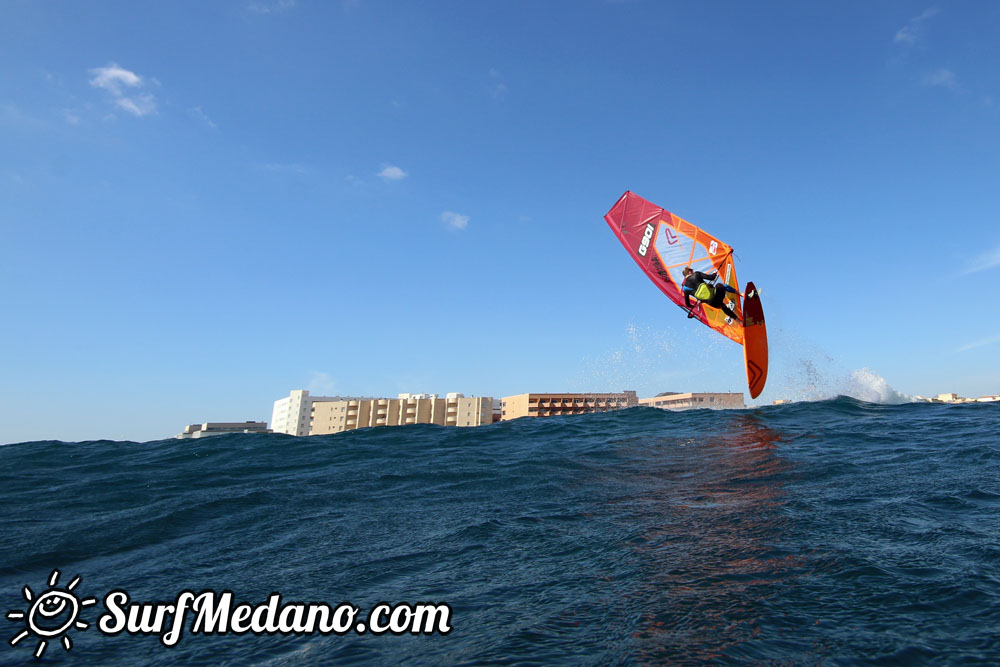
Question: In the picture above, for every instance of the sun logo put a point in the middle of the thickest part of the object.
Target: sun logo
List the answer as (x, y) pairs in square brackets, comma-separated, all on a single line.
[(51, 615)]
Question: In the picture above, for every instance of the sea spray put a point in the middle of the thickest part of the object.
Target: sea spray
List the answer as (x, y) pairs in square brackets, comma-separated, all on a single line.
[(652, 357), (866, 385)]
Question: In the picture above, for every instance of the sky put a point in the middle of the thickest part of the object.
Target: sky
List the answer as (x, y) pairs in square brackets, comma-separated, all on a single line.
[(205, 205)]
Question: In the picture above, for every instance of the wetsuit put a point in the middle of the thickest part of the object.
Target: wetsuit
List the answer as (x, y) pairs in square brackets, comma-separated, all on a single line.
[(718, 292)]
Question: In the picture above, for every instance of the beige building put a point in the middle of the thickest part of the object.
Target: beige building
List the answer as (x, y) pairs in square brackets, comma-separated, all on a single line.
[(218, 428), (670, 400), (550, 405), (453, 410), (291, 414)]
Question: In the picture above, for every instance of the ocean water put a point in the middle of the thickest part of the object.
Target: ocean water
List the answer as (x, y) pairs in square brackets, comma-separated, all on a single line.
[(836, 531)]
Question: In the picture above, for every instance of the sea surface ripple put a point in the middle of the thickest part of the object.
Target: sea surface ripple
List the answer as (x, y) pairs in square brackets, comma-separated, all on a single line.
[(837, 531)]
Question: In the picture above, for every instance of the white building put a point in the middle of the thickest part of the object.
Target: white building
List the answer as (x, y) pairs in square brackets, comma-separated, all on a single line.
[(218, 428)]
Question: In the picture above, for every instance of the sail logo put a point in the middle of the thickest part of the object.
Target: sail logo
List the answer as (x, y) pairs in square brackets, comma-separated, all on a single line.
[(671, 236), (647, 236)]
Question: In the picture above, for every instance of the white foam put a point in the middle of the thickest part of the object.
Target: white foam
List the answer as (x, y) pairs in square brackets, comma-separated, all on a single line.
[(866, 385)]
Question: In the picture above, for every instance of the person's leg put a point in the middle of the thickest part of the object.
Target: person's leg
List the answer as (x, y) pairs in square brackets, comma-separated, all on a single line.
[(730, 313), (719, 301)]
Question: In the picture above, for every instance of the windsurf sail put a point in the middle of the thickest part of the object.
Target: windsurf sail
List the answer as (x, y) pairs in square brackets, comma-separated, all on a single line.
[(662, 244)]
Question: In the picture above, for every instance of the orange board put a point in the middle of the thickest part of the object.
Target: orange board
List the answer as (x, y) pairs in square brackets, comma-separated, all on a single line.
[(754, 341)]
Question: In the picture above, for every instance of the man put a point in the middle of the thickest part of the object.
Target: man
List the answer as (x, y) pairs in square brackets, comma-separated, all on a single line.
[(700, 286)]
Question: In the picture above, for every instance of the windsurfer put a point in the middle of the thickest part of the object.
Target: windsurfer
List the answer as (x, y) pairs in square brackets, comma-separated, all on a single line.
[(700, 285)]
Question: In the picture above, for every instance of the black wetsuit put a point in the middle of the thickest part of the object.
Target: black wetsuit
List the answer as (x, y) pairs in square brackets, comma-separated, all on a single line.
[(718, 299)]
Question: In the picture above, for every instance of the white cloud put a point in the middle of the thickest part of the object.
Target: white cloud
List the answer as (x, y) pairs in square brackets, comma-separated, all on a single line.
[(979, 343), (941, 77), (497, 88), (113, 77), (392, 173), (288, 167), (910, 33), (12, 115), (117, 81), (985, 261), (196, 112), (455, 220), (270, 6), (321, 384), (140, 105)]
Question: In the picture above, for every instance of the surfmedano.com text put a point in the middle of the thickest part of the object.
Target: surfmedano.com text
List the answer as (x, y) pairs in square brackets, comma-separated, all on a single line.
[(214, 613)]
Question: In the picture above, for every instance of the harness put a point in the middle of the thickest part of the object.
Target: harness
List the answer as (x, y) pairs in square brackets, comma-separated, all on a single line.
[(703, 292)]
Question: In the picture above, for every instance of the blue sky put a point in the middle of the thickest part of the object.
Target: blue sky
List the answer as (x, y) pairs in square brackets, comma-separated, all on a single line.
[(206, 205)]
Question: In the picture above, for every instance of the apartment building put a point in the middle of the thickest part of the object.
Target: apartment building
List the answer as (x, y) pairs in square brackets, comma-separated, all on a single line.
[(550, 405), (672, 400), (955, 398), (453, 410), (218, 428), (292, 413)]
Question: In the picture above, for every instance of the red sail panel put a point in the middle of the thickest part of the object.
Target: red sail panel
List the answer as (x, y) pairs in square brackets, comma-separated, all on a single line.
[(662, 244)]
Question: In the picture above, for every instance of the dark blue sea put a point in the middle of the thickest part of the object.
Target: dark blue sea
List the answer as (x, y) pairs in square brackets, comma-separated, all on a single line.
[(835, 532)]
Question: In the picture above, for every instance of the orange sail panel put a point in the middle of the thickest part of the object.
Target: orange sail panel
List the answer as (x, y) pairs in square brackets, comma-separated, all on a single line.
[(662, 244)]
